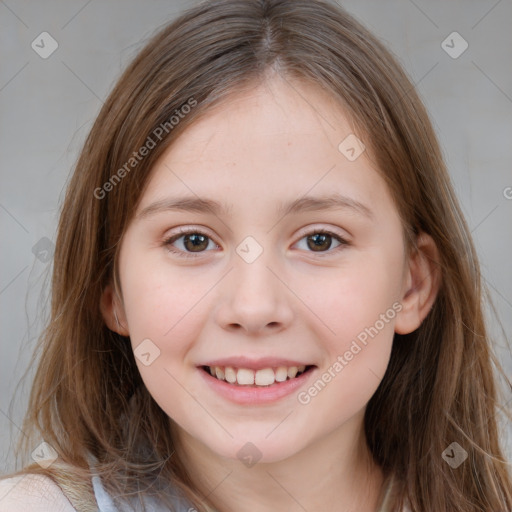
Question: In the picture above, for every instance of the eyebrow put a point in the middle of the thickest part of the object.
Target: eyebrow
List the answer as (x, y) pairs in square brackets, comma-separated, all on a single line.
[(303, 204)]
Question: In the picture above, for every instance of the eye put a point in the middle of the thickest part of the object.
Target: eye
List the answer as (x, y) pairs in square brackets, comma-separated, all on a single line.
[(194, 241), (189, 243), (321, 240)]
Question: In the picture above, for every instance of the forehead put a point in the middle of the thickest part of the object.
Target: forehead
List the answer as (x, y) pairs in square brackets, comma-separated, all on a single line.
[(271, 113), (272, 143)]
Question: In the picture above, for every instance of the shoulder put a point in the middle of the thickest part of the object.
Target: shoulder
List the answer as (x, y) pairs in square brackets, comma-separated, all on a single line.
[(32, 493)]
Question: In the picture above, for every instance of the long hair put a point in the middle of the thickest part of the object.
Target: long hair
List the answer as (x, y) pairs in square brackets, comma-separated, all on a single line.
[(439, 387)]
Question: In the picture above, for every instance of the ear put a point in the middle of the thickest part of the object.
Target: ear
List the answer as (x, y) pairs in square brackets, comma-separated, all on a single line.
[(422, 280), (112, 311)]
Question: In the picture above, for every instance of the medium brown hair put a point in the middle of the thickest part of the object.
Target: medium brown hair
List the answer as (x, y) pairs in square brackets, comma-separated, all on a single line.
[(439, 387)]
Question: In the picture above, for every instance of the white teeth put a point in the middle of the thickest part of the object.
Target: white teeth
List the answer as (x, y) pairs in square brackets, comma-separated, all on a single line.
[(248, 377), (281, 374), (265, 377), (245, 377), (230, 374), (292, 371)]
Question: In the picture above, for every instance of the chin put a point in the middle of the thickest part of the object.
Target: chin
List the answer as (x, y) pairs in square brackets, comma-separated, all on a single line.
[(256, 448)]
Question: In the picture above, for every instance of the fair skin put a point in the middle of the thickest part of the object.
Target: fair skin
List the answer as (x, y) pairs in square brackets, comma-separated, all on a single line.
[(264, 147)]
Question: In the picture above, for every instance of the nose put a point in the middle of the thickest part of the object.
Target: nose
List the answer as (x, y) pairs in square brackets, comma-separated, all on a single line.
[(254, 299)]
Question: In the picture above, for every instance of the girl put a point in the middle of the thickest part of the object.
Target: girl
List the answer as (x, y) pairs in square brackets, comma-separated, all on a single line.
[(265, 296)]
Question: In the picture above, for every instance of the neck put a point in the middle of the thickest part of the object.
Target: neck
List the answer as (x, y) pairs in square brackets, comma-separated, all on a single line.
[(336, 472)]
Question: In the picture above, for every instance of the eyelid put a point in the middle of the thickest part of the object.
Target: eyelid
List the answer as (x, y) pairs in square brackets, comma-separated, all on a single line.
[(192, 229), (309, 230)]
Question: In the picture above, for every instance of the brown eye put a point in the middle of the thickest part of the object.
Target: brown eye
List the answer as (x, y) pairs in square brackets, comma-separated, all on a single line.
[(189, 242), (319, 241), (195, 242)]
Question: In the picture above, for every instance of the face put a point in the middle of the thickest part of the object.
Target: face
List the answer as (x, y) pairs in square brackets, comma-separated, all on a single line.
[(265, 253)]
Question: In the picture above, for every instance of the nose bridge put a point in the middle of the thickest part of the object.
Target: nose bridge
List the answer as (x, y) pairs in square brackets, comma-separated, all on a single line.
[(254, 283), (254, 279), (254, 298)]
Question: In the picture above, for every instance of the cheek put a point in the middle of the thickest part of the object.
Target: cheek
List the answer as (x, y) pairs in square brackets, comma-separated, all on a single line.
[(354, 298), (163, 303), (171, 321), (165, 308), (358, 310)]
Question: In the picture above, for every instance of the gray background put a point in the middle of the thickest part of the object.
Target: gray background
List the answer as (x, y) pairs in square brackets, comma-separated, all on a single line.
[(48, 105)]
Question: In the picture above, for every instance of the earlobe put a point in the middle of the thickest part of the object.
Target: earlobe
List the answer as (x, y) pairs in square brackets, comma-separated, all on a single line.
[(421, 285), (113, 311)]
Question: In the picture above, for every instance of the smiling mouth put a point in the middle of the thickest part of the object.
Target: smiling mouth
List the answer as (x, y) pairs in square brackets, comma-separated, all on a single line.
[(260, 378)]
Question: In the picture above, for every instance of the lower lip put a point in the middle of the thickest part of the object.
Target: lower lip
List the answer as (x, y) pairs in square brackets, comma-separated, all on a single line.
[(248, 395)]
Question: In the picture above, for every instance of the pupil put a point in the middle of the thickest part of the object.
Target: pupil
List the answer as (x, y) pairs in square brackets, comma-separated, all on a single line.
[(198, 242), (319, 241)]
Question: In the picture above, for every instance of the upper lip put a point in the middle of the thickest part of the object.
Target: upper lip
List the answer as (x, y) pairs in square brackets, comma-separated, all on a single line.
[(254, 364)]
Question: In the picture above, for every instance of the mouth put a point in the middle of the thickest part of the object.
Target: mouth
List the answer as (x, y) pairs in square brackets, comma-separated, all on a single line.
[(262, 378)]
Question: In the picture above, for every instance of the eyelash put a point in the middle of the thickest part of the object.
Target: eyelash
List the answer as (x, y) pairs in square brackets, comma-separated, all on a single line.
[(183, 232)]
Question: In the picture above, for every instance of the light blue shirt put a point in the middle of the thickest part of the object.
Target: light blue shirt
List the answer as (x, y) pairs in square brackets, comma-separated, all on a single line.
[(106, 504)]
